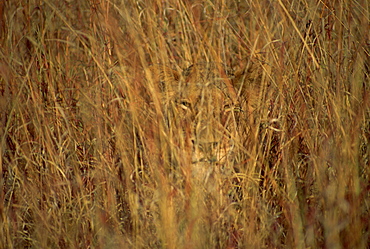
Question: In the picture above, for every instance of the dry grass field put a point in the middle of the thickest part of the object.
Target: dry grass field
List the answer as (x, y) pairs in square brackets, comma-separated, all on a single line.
[(185, 124)]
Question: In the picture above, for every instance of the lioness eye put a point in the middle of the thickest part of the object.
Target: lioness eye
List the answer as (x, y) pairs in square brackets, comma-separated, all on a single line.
[(237, 108), (185, 104)]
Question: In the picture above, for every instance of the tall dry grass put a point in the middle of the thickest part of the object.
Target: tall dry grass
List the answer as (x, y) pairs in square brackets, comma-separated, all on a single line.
[(91, 159)]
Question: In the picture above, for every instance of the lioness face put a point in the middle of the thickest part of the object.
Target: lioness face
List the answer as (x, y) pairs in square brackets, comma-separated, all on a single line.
[(205, 101)]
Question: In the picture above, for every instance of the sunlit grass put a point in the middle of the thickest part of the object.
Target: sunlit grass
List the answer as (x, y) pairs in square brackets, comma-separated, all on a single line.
[(92, 157)]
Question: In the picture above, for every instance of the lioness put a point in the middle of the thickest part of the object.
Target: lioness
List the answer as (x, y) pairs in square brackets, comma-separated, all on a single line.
[(204, 101)]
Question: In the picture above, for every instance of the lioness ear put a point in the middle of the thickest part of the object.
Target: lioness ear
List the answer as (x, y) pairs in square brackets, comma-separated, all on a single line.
[(190, 74), (239, 76), (187, 71), (170, 74), (247, 75), (162, 73), (165, 76)]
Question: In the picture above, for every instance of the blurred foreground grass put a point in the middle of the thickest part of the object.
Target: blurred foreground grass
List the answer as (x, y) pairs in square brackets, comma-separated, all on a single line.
[(85, 165)]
